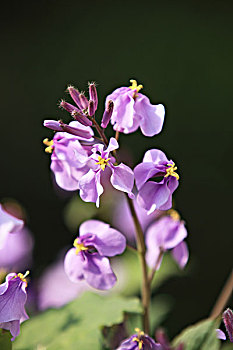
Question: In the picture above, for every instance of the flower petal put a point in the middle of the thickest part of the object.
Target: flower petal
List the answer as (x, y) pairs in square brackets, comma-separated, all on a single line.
[(152, 196), (122, 178), (73, 265), (143, 172), (152, 115), (180, 254), (98, 272), (90, 187), (155, 156)]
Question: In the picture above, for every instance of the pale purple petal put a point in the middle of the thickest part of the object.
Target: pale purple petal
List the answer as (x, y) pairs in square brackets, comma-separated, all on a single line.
[(65, 175), (180, 254), (8, 224), (152, 255), (93, 226), (13, 327), (174, 232), (152, 196), (220, 334), (143, 172), (90, 187), (73, 265), (155, 156), (122, 178), (152, 115), (122, 112), (113, 144), (98, 273)]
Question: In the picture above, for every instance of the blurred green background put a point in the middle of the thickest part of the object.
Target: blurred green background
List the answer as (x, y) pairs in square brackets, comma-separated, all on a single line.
[(182, 52)]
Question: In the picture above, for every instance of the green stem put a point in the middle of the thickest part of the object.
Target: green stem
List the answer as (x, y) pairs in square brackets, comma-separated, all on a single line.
[(141, 253)]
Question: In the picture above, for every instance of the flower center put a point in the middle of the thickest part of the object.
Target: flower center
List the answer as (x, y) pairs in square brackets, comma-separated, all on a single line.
[(23, 277), (138, 338), (102, 162), (174, 214), (79, 246), (135, 85), (49, 144), (171, 171)]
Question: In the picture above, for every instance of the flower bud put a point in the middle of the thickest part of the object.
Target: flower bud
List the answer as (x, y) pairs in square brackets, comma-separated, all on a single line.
[(228, 321), (91, 108), (83, 101), (75, 96), (60, 126), (93, 94), (68, 107), (107, 114), (81, 118)]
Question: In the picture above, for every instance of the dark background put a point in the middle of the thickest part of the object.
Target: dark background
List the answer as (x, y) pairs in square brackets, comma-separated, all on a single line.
[(182, 52)]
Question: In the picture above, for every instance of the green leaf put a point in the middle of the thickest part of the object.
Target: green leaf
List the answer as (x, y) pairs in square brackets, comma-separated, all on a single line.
[(228, 346), (201, 336), (77, 325), (5, 340)]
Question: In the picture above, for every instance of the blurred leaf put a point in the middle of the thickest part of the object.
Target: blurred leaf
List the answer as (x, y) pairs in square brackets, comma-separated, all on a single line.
[(77, 325), (202, 336), (160, 306), (132, 271), (5, 340), (228, 346)]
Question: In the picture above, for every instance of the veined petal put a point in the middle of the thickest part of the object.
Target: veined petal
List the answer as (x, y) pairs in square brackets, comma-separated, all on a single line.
[(180, 254), (143, 172), (90, 187), (93, 226), (73, 265), (155, 156), (13, 327), (152, 115), (98, 273), (122, 178), (152, 196), (113, 144)]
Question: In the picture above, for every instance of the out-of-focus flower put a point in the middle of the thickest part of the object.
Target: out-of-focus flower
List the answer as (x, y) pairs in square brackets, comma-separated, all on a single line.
[(55, 289), (220, 334), (69, 158), (123, 221), (165, 234), (139, 341), (122, 177), (13, 297), (132, 110), (156, 194), (16, 253), (88, 259), (8, 225), (228, 321), (163, 340)]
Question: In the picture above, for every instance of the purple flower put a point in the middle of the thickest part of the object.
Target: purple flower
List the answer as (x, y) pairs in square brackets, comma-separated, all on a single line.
[(165, 234), (16, 253), (55, 289), (69, 159), (156, 194), (87, 260), (122, 177), (228, 321), (220, 334), (132, 110), (13, 297), (139, 341), (8, 224)]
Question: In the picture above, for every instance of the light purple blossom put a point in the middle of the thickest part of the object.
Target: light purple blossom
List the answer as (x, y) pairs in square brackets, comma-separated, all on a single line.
[(8, 225), (132, 110), (156, 195), (55, 288), (220, 334), (13, 297), (139, 341), (69, 158), (167, 233), (122, 177), (16, 253), (88, 259)]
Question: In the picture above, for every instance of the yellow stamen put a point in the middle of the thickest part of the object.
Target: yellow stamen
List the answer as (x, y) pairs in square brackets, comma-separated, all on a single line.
[(102, 162), (79, 246), (135, 85), (23, 277), (171, 171), (174, 214), (138, 338), (48, 143)]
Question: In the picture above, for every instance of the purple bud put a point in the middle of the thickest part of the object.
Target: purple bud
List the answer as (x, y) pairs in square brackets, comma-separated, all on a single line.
[(60, 126), (83, 101), (91, 108), (68, 107), (75, 96), (228, 321), (81, 118), (107, 114), (93, 94)]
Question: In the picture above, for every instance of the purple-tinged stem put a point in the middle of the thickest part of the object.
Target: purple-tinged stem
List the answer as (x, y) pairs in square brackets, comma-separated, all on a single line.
[(223, 297)]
